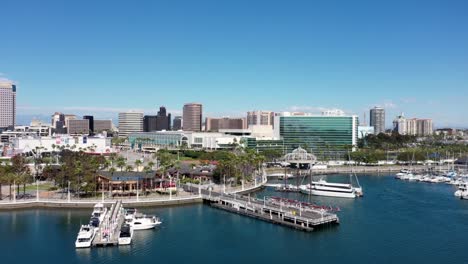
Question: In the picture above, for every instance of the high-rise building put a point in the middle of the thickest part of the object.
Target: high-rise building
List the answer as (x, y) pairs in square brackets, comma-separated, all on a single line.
[(91, 123), (78, 127), (412, 126), (102, 125), (192, 117), (425, 127), (326, 136), (7, 104), (377, 119), (150, 123), (260, 118), (163, 120), (215, 124), (130, 122), (177, 123), (58, 123)]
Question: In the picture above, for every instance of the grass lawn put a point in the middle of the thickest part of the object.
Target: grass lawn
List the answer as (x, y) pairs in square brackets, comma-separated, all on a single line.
[(42, 187)]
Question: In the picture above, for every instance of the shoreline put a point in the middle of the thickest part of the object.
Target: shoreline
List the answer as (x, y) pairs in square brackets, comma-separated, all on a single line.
[(355, 169), (142, 202)]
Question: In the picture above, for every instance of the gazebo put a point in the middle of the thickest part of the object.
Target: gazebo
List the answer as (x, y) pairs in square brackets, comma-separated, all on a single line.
[(300, 157)]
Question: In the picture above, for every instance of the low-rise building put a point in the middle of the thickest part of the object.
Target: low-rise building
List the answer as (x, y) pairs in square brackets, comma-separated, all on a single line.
[(176, 139), (94, 145), (216, 124), (35, 129)]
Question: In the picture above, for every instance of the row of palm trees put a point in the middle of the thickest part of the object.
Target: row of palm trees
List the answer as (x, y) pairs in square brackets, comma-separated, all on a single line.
[(239, 166), (15, 173)]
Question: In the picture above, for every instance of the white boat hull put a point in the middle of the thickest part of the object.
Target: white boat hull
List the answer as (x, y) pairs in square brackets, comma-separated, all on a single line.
[(144, 227), (125, 240), (329, 194), (82, 244)]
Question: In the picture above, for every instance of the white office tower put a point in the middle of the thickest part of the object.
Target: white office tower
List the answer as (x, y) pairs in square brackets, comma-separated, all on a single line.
[(130, 122), (7, 104)]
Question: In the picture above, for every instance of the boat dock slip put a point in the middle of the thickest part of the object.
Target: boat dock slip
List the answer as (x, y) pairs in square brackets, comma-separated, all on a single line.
[(109, 229), (294, 216)]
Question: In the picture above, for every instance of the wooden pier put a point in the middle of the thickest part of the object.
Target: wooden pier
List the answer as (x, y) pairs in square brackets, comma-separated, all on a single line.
[(109, 230), (286, 215)]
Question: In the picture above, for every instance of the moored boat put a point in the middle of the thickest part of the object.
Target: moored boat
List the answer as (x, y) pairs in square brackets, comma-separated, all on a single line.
[(324, 188), (140, 221), (99, 211), (85, 236), (126, 235)]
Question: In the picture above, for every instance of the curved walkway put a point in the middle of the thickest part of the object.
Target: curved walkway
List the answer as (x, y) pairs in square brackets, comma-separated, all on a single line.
[(136, 202)]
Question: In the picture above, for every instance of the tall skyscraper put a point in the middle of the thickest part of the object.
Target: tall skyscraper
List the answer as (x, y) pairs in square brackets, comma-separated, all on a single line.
[(130, 122), (7, 104), (150, 123), (177, 123), (91, 123), (192, 117), (163, 120), (377, 119), (260, 118)]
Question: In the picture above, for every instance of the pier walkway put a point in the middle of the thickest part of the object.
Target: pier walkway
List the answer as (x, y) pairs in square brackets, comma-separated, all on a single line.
[(109, 230), (287, 215), (294, 216)]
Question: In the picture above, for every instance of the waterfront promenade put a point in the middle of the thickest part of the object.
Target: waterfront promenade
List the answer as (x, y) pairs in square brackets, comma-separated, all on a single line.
[(194, 194)]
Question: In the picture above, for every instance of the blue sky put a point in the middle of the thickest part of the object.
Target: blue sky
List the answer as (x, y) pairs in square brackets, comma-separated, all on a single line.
[(101, 57)]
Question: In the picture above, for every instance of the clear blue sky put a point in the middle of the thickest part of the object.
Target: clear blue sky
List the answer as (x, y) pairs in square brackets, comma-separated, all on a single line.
[(99, 57)]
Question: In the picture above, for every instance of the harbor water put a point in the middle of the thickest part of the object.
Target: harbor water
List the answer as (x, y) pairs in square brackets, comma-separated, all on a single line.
[(395, 222)]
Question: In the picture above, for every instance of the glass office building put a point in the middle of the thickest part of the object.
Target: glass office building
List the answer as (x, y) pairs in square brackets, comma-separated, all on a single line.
[(167, 139), (325, 136)]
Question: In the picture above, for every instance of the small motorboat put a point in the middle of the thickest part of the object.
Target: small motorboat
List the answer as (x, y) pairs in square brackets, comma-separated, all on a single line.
[(85, 236), (126, 235)]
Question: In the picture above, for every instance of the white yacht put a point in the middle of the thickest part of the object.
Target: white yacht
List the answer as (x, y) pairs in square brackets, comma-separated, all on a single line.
[(130, 213), (126, 235), (285, 176), (403, 174), (462, 190), (85, 237), (99, 211), (140, 221), (456, 182), (439, 179), (414, 177), (324, 188)]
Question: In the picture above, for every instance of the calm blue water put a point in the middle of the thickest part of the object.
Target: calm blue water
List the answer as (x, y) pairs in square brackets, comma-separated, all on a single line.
[(395, 221)]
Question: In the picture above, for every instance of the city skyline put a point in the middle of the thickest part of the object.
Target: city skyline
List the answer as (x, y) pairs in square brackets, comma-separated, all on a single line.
[(304, 57)]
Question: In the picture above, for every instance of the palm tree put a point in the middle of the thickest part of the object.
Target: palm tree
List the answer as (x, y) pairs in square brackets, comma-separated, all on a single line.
[(150, 164), (112, 158), (2, 179), (138, 162), (128, 168), (9, 179), (121, 163)]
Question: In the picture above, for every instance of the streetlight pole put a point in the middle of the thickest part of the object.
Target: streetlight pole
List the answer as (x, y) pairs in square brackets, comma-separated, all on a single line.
[(68, 194)]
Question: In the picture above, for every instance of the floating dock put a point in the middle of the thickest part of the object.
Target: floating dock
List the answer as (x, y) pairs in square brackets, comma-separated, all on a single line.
[(109, 230), (286, 215)]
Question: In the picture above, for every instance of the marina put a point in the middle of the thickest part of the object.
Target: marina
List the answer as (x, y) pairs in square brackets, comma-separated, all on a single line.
[(49, 234), (113, 227)]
